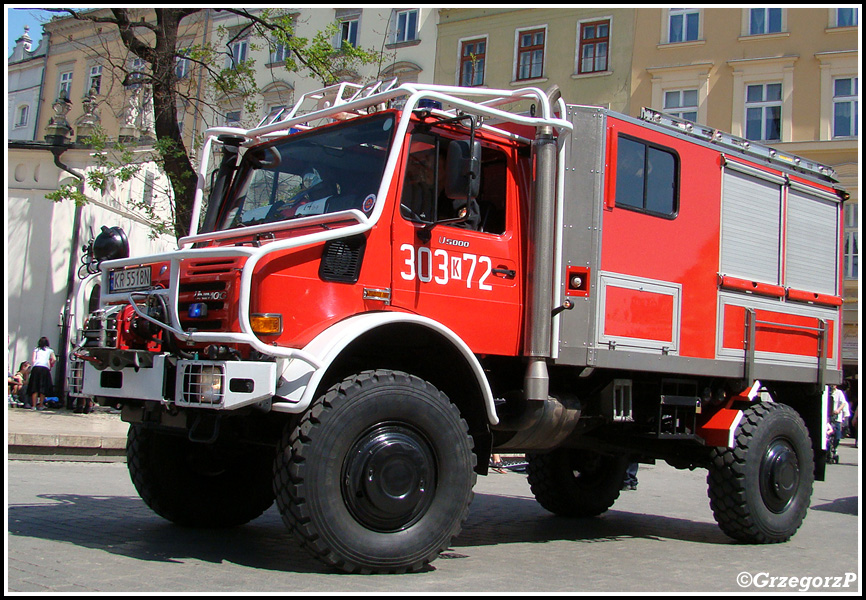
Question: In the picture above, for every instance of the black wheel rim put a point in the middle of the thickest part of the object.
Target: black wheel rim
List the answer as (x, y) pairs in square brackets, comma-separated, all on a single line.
[(779, 475), (389, 477)]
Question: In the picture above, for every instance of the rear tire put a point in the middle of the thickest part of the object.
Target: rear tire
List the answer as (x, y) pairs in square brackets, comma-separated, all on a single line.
[(760, 489), (576, 483), (199, 485), (378, 475)]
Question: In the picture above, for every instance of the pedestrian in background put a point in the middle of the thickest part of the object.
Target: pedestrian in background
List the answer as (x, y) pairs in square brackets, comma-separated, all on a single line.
[(18, 384), (840, 412), (40, 384)]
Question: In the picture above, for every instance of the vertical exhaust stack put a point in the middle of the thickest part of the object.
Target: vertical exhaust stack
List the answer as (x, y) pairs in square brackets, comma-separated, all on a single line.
[(541, 248)]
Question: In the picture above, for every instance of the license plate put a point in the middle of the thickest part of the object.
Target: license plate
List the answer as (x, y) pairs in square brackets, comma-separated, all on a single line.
[(127, 280)]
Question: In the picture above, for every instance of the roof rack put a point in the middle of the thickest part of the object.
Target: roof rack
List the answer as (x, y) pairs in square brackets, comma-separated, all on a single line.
[(347, 100), (738, 144)]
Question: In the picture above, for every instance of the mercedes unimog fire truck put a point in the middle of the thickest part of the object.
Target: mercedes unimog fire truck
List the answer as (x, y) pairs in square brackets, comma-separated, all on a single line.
[(384, 284)]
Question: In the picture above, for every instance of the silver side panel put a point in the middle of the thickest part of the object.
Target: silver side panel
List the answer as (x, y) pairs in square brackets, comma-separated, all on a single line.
[(580, 228), (751, 218), (812, 251)]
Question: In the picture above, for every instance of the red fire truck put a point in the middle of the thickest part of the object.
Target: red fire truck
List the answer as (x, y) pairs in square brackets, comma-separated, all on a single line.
[(385, 284)]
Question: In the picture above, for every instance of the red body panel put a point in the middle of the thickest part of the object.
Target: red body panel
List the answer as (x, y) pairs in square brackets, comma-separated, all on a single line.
[(639, 314), (794, 334), (683, 250)]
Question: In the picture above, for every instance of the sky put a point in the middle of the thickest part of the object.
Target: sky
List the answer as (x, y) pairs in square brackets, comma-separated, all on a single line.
[(15, 22)]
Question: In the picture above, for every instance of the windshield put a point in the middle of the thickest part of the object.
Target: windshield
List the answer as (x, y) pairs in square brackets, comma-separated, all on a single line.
[(319, 172)]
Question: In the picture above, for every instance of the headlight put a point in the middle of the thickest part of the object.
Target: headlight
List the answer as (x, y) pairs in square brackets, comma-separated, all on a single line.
[(203, 384)]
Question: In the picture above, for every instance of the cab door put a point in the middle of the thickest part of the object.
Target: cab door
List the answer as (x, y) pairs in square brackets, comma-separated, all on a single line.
[(467, 276)]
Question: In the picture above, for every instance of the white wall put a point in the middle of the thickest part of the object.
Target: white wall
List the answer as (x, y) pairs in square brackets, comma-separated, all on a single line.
[(38, 245)]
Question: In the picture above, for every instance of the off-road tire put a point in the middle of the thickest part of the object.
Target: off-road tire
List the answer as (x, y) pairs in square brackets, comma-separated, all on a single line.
[(576, 483), (377, 476), (199, 485), (760, 489)]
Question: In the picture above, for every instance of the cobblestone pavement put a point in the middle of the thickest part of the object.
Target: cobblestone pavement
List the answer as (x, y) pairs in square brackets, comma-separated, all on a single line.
[(80, 527)]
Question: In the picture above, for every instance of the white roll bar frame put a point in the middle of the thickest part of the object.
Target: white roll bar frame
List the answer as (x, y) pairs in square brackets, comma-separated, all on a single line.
[(456, 97)]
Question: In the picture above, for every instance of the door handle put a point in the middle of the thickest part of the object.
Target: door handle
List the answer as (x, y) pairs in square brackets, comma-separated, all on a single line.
[(507, 273)]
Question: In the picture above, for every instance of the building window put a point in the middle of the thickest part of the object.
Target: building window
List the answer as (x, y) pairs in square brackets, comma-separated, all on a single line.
[(682, 104), (846, 106), (136, 74), (594, 46), (237, 53), (349, 32), (65, 85), (530, 54), (23, 114), (847, 17), (472, 56), (94, 82), (683, 24), (182, 64), (147, 195), (764, 112), (407, 26), (852, 254), (233, 118), (765, 20), (646, 177)]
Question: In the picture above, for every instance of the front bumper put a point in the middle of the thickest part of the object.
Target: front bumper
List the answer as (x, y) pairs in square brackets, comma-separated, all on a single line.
[(213, 384)]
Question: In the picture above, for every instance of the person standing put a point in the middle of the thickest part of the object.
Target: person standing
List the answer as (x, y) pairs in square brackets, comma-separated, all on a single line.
[(840, 412), (40, 384)]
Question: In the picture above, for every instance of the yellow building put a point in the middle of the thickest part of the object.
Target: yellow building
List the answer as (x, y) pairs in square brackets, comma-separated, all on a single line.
[(787, 77), (586, 52)]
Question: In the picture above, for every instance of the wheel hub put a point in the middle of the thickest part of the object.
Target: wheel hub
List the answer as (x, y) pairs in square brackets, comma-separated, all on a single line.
[(780, 475), (389, 478)]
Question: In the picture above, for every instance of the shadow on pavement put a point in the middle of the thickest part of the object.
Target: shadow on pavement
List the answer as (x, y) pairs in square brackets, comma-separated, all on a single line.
[(846, 506), (503, 519), (125, 526)]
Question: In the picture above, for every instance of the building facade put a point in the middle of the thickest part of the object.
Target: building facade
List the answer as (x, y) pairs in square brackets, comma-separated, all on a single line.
[(587, 52), (403, 39), (25, 70), (88, 61)]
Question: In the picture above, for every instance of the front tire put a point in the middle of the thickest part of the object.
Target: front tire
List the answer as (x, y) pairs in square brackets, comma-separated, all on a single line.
[(576, 483), (378, 475), (760, 489), (199, 485)]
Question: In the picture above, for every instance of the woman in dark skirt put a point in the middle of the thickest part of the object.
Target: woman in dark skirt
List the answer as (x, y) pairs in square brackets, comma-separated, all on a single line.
[(40, 384)]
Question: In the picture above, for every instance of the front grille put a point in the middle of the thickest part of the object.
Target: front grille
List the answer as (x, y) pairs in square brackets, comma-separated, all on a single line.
[(211, 267), (214, 294)]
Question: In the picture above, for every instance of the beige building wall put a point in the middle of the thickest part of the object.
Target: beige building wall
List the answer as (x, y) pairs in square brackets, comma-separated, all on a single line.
[(500, 29), (403, 38), (810, 51), (81, 51)]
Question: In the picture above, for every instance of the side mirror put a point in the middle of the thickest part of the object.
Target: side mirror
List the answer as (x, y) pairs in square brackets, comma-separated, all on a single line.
[(463, 170)]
